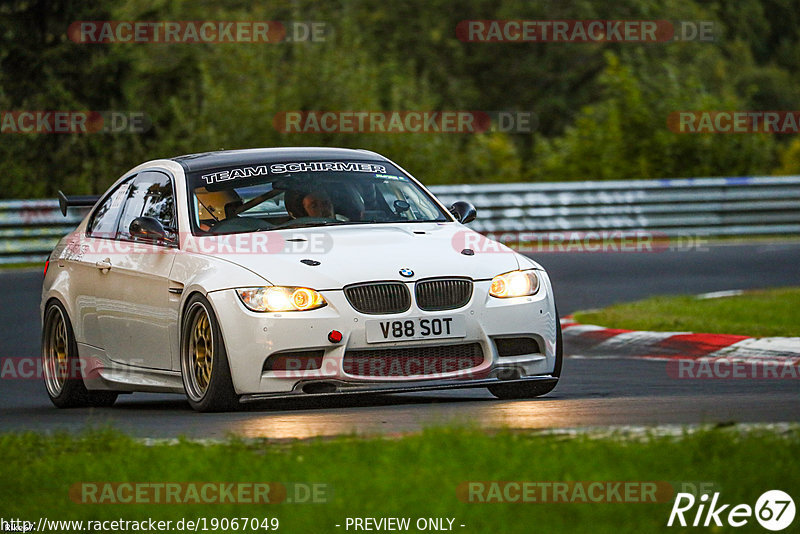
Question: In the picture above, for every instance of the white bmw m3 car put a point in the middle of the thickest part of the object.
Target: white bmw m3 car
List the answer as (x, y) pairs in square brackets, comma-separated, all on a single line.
[(248, 275)]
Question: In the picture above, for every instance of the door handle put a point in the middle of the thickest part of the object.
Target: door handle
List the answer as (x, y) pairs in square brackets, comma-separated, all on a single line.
[(103, 265)]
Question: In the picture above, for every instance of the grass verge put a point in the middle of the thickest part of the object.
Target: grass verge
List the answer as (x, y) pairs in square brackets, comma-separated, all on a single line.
[(771, 312), (21, 266), (411, 476)]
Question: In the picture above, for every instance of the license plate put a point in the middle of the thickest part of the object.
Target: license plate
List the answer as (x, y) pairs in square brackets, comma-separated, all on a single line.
[(415, 328)]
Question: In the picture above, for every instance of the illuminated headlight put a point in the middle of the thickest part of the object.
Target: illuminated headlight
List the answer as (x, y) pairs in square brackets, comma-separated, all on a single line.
[(514, 284), (281, 299)]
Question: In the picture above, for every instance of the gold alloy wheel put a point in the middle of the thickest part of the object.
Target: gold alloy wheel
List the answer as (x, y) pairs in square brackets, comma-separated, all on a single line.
[(200, 352), (56, 352)]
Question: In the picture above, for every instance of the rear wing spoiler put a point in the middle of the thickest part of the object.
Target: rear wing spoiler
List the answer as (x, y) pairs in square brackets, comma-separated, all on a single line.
[(65, 202)]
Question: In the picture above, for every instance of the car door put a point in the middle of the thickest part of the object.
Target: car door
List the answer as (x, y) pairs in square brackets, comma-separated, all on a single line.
[(88, 253), (136, 314)]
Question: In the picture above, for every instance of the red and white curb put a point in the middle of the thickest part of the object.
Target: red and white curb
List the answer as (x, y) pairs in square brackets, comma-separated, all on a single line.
[(752, 357)]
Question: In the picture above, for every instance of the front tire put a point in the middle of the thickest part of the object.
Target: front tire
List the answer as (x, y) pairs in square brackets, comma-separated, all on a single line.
[(61, 364), (533, 389), (204, 361)]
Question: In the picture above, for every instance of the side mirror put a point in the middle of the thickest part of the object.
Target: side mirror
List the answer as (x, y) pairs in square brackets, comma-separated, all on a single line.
[(147, 228), (464, 212)]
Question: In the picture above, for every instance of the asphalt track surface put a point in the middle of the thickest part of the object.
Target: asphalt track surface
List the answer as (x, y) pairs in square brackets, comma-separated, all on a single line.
[(592, 393)]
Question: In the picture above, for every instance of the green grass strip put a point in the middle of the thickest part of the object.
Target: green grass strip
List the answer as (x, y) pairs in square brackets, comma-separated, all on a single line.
[(410, 476), (772, 312)]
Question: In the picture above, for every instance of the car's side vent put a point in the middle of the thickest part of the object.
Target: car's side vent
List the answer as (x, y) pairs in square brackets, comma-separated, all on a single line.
[(294, 360), (516, 346), (378, 297)]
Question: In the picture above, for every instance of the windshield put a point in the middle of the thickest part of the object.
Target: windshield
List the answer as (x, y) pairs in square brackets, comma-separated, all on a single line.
[(273, 196)]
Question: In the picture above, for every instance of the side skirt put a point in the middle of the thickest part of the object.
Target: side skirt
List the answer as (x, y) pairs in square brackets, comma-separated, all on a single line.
[(100, 373)]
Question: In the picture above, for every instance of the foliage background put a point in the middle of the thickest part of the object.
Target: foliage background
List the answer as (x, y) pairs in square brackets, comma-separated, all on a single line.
[(601, 107)]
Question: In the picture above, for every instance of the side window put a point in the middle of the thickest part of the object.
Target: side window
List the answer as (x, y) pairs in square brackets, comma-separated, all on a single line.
[(104, 221), (150, 196)]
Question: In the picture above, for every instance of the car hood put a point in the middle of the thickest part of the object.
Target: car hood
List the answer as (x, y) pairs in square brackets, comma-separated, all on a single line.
[(358, 253)]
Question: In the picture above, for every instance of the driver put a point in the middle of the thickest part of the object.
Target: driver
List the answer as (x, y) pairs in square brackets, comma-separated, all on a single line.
[(318, 204), (309, 204)]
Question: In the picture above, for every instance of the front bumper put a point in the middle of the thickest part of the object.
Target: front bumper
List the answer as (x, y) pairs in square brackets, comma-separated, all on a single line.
[(250, 338)]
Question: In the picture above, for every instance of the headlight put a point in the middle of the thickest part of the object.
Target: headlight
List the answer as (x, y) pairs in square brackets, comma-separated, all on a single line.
[(514, 284), (281, 299)]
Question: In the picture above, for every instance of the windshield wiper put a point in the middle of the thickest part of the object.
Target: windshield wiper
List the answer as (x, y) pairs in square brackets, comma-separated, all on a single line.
[(311, 224), (340, 223)]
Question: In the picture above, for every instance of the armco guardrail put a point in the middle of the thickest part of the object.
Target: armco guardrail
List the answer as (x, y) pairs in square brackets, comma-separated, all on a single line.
[(29, 229), (709, 206), (700, 206)]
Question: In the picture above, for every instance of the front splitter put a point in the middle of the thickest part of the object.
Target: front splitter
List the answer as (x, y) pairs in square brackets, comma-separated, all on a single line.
[(348, 388)]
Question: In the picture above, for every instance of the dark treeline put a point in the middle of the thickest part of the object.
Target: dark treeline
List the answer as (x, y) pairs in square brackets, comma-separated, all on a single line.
[(601, 108)]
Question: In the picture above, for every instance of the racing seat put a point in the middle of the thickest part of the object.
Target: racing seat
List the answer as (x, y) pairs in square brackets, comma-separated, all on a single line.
[(231, 207), (348, 201), (293, 202)]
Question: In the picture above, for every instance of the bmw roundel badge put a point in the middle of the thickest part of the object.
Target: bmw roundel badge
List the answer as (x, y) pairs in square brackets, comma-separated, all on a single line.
[(408, 273)]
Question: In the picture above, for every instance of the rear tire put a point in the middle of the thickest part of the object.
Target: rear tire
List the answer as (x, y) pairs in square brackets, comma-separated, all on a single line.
[(204, 361), (533, 389), (61, 364)]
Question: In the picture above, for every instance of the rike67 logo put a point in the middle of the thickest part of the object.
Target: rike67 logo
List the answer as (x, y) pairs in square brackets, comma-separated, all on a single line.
[(774, 510)]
